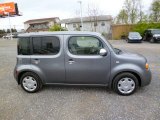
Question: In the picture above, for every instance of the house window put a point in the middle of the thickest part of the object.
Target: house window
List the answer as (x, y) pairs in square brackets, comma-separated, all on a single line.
[(102, 24), (95, 24), (74, 25)]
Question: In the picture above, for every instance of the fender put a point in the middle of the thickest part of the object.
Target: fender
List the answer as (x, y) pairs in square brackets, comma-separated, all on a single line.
[(30, 68), (125, 68)]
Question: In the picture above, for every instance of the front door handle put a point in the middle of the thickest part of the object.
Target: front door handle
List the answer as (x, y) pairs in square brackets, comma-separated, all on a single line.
[(71, 61), (36, 61)]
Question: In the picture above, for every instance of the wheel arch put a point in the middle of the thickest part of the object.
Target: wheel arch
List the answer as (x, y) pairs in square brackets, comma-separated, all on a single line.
[(23, 72), (132, 72)]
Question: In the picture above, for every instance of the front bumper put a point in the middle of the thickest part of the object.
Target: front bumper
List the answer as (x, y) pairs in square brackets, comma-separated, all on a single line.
[(134, 40), (146, 78), (157, 39)]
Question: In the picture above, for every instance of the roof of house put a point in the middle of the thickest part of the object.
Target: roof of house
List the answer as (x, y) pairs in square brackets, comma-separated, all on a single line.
[(88, 19), (41, 20)]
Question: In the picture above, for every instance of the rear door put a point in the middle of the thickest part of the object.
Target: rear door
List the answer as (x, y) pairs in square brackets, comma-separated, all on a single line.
[(83, 63), (48, 58)]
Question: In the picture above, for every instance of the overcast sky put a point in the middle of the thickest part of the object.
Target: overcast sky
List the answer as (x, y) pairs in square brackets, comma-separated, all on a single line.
[(33, 9)]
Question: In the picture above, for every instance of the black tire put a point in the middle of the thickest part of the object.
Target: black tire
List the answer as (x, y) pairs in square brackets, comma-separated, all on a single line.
[(120, 77), (36, 79), (144, 39), (151, 40)]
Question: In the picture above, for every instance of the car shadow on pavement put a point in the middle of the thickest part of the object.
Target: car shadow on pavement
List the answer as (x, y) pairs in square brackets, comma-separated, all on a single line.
[(76, 88)]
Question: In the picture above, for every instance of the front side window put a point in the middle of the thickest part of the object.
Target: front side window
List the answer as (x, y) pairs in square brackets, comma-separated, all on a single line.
[(46, 45), (84, 45), (24, 46)]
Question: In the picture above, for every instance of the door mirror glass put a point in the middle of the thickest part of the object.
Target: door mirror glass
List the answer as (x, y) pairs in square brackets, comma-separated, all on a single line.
[(103, 52)]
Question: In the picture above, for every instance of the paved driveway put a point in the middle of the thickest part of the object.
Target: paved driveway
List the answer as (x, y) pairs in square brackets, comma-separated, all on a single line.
[(78, 103)]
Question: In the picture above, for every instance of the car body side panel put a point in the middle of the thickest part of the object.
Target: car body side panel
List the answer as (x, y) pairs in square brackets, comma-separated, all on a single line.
[(50, 66)]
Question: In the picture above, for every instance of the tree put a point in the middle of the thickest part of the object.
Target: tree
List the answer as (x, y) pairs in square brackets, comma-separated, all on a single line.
[(93, 13), (57, 27), (131, 9), (122, 17), (132, 12), (8, 30), (2, 32), (14, 30), (141, 13), (155, 14)]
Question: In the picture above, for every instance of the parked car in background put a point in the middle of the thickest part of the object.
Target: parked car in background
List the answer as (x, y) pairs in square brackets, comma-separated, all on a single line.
[(152, 35), (8, 36), (15, 35), (77, 58), (134, 37)]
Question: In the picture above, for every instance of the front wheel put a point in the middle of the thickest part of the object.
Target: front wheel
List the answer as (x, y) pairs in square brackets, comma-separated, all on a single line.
[(152, 40), (125, 84), (30, 82)]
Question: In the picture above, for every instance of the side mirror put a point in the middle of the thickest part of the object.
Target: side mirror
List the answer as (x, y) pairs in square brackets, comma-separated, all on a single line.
[(103, 52)]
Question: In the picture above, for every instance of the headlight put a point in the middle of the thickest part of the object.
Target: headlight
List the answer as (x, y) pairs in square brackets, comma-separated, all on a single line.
[(147, 66)]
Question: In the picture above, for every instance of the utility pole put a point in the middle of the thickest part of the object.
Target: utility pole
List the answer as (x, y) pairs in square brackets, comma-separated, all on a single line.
[(9, 22), (10, 25), (80, 2)]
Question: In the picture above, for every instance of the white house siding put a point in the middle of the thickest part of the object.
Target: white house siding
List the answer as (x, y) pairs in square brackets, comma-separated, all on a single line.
[(89, 26)]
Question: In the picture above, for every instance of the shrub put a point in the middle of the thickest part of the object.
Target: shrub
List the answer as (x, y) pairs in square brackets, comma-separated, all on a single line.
[(141, 27), (57, 27)]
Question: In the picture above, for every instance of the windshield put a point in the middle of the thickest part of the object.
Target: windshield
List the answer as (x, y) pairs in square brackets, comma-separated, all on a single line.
[(116, 50), (134, 34), (155, 31)]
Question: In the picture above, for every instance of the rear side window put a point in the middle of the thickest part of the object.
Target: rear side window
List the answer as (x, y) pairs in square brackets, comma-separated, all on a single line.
[(46, 45), (24, 46)]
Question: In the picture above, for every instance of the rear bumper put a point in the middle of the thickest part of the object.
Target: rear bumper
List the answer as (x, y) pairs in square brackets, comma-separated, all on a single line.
[(15, 74), (147, 76)]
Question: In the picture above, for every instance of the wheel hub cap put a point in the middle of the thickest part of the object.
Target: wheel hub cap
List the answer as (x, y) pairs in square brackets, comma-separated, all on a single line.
[(29, 83), (126, 85)]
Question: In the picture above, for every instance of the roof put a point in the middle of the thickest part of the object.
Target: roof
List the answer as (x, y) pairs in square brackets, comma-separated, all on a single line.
[(88, 19), (58, 33), (41, 20), (153, 29)]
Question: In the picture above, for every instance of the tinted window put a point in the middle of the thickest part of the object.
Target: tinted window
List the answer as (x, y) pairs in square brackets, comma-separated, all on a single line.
[(84, 45), (24, 46), (46, 45), (155, 31)]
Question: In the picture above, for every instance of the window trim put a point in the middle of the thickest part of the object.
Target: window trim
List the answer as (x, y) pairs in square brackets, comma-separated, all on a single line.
[(103, 44), (41, 44)]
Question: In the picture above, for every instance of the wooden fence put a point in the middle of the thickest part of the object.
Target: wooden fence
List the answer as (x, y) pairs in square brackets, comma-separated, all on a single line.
[(119, 31)]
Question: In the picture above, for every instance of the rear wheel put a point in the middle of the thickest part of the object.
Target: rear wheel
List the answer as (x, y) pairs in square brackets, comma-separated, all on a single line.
[(125, 84), (30, 82)]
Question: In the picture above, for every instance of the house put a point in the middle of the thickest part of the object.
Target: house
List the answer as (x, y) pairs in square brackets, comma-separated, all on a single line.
[(42, 24), (99, 24)]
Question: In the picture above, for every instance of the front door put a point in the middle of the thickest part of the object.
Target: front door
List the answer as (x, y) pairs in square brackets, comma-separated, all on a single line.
[(83, 63), (48, 58)]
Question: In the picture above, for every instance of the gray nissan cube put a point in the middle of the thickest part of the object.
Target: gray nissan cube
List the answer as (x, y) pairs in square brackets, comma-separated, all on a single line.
[(77, 58)]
